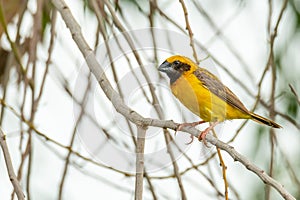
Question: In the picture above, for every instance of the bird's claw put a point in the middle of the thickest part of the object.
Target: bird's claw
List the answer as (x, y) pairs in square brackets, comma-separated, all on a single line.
[(190, 142), (192, 124), (202, 134), (202, 137)]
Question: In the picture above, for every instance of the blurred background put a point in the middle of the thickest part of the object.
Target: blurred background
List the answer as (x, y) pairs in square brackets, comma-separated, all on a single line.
[(67, 141)]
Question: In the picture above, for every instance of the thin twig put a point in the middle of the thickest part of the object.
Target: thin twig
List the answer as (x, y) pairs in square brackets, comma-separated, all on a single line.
[(271, 63), (219, 32), (224, 168), (67, 159), (295, 93), (188, 27), (12, 44), (175, 165), (10, 168)]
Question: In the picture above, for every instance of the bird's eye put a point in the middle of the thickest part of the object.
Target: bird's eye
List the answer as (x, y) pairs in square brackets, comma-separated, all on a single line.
[(176, 62), (176, 65)]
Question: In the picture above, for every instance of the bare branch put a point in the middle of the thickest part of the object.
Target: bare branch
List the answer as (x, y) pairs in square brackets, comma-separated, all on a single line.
[(175, 165), (224, 168), (250, 166), (271, 63), (10, 168), (67, 159), (141, 133), (188, 27), (295, 93)]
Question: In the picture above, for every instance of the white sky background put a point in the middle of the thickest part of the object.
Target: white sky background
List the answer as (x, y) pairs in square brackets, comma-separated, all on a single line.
[(55, 116)]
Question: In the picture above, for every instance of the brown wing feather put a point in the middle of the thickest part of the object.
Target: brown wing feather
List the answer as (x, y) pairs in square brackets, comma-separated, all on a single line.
[(214, 85)]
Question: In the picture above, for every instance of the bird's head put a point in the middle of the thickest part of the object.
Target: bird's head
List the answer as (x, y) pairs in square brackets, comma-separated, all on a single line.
[(177, 65)]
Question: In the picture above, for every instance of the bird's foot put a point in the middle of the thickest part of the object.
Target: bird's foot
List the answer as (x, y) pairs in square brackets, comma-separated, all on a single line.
[(202, 135), (192, 124)]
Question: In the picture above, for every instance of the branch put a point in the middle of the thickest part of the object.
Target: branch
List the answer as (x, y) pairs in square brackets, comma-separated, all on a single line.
[(224, 167), (295, 93), (10, 168), (250, 166), (141, 133), (139, 120), (67, 159), (188, 27), (175, 165)]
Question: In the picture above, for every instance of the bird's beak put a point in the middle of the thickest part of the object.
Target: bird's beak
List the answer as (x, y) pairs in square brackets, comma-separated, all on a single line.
[(165, 66)]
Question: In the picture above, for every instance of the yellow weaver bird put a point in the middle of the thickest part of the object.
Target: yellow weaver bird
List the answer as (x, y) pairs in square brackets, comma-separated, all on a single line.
[(205, 95)]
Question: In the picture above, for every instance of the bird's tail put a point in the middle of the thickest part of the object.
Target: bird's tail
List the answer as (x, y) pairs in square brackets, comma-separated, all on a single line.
[(265, 121)]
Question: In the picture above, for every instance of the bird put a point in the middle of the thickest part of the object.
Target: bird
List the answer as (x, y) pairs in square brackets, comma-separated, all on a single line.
[(205, 95)]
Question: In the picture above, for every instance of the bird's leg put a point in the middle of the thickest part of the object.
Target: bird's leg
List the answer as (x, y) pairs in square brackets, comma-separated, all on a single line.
[(180, 126), (203, 134), (189, 124)]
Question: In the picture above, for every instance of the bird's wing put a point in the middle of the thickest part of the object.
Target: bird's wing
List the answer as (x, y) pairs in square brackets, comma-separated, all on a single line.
[(215, 86)]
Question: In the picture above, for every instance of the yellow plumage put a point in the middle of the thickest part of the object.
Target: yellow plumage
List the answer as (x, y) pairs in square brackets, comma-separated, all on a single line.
[(204, 94), (202, 102)]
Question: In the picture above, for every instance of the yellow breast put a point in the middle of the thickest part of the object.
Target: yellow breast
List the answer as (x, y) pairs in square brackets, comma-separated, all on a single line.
[(198, 99)]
